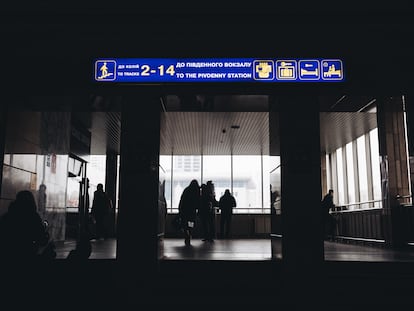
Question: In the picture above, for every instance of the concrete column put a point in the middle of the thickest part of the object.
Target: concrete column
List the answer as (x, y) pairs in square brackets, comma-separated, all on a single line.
[(301, 180), (324, 175), (3, 124), (302, 230), (394, 168), (110, 186), (139, 174), (410, 133), (274, 146)]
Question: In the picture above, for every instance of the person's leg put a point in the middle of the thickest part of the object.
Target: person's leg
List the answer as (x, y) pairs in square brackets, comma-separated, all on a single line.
[(105, 227), (228, 227), (187, 236), (98, 228), (222, 226), (204, 227), (211, 228)]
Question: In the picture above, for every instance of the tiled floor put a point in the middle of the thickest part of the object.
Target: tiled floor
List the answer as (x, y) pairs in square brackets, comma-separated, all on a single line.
[(240, 249), (352, 252), (244, 249)]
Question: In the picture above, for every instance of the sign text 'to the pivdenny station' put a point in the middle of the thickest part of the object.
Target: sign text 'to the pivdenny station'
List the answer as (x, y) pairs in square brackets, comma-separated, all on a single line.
[(165, 70)]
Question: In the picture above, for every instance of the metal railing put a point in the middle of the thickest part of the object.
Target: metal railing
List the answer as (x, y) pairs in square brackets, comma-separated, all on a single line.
[(236, 210), (404, 199), (357, 206)]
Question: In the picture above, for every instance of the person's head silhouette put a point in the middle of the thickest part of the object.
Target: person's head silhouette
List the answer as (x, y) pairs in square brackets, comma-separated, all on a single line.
[(25, 202)]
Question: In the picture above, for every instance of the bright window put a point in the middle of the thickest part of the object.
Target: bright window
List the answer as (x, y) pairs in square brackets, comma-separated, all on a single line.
[(165, 170), (247, 184), (218, 170), (340, 172), (362, 171), (185, 169), (250, 184), (376, 173), (350, 172)]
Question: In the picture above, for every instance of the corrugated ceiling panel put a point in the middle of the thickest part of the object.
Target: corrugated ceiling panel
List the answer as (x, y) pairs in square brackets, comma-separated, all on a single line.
[(340, 128), (190, 133), (105, 132), (211, 133)]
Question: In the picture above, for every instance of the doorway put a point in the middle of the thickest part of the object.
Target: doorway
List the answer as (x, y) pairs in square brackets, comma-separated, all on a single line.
[(231, 141)]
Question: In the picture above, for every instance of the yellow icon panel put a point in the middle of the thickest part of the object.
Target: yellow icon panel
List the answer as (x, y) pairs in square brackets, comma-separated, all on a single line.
[(263, 70), (309, 69), (105, 70), (332, 69), (286, 69)]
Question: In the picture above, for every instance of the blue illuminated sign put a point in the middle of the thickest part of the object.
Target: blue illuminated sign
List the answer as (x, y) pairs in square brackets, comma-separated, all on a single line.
[(166, 70)]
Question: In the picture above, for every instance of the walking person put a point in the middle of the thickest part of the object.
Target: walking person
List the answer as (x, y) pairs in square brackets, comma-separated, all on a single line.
[(187, 209), (101, 206), (226, 204)]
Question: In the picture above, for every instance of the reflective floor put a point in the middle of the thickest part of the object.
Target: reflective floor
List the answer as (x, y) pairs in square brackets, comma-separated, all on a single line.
[(352, 252), (244, 249), (240, 249), (101, 249)]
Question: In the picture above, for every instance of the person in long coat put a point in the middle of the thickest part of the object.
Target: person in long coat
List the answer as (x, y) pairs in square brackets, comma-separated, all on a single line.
[(188, 207), (329, 221), (226, 204)]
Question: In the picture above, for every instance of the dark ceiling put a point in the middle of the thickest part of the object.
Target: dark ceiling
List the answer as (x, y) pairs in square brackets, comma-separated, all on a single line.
[(60, 40)]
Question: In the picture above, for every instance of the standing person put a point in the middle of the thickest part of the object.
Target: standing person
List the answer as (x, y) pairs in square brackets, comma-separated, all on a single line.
[(203, 212), (101, 206), (274, 201), (207, 214), (41, 201), (187, 209), (210, 203), (226, 204), (329, 222)]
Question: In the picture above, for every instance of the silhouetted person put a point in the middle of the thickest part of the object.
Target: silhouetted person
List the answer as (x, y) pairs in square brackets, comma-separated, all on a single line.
[(226, 204), (202, 211), (83, 249), (214, 203), (162, 207), (274, 195), (22, 231), (187, 209), (100, 211), (205, 213), (329, 222), (41, 201)]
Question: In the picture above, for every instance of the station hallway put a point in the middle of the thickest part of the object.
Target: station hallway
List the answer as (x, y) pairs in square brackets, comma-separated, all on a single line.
[(246, 250), (278, 146)]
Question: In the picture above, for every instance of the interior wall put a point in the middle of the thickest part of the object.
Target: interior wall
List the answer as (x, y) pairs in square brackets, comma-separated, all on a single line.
[(36, 153)]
